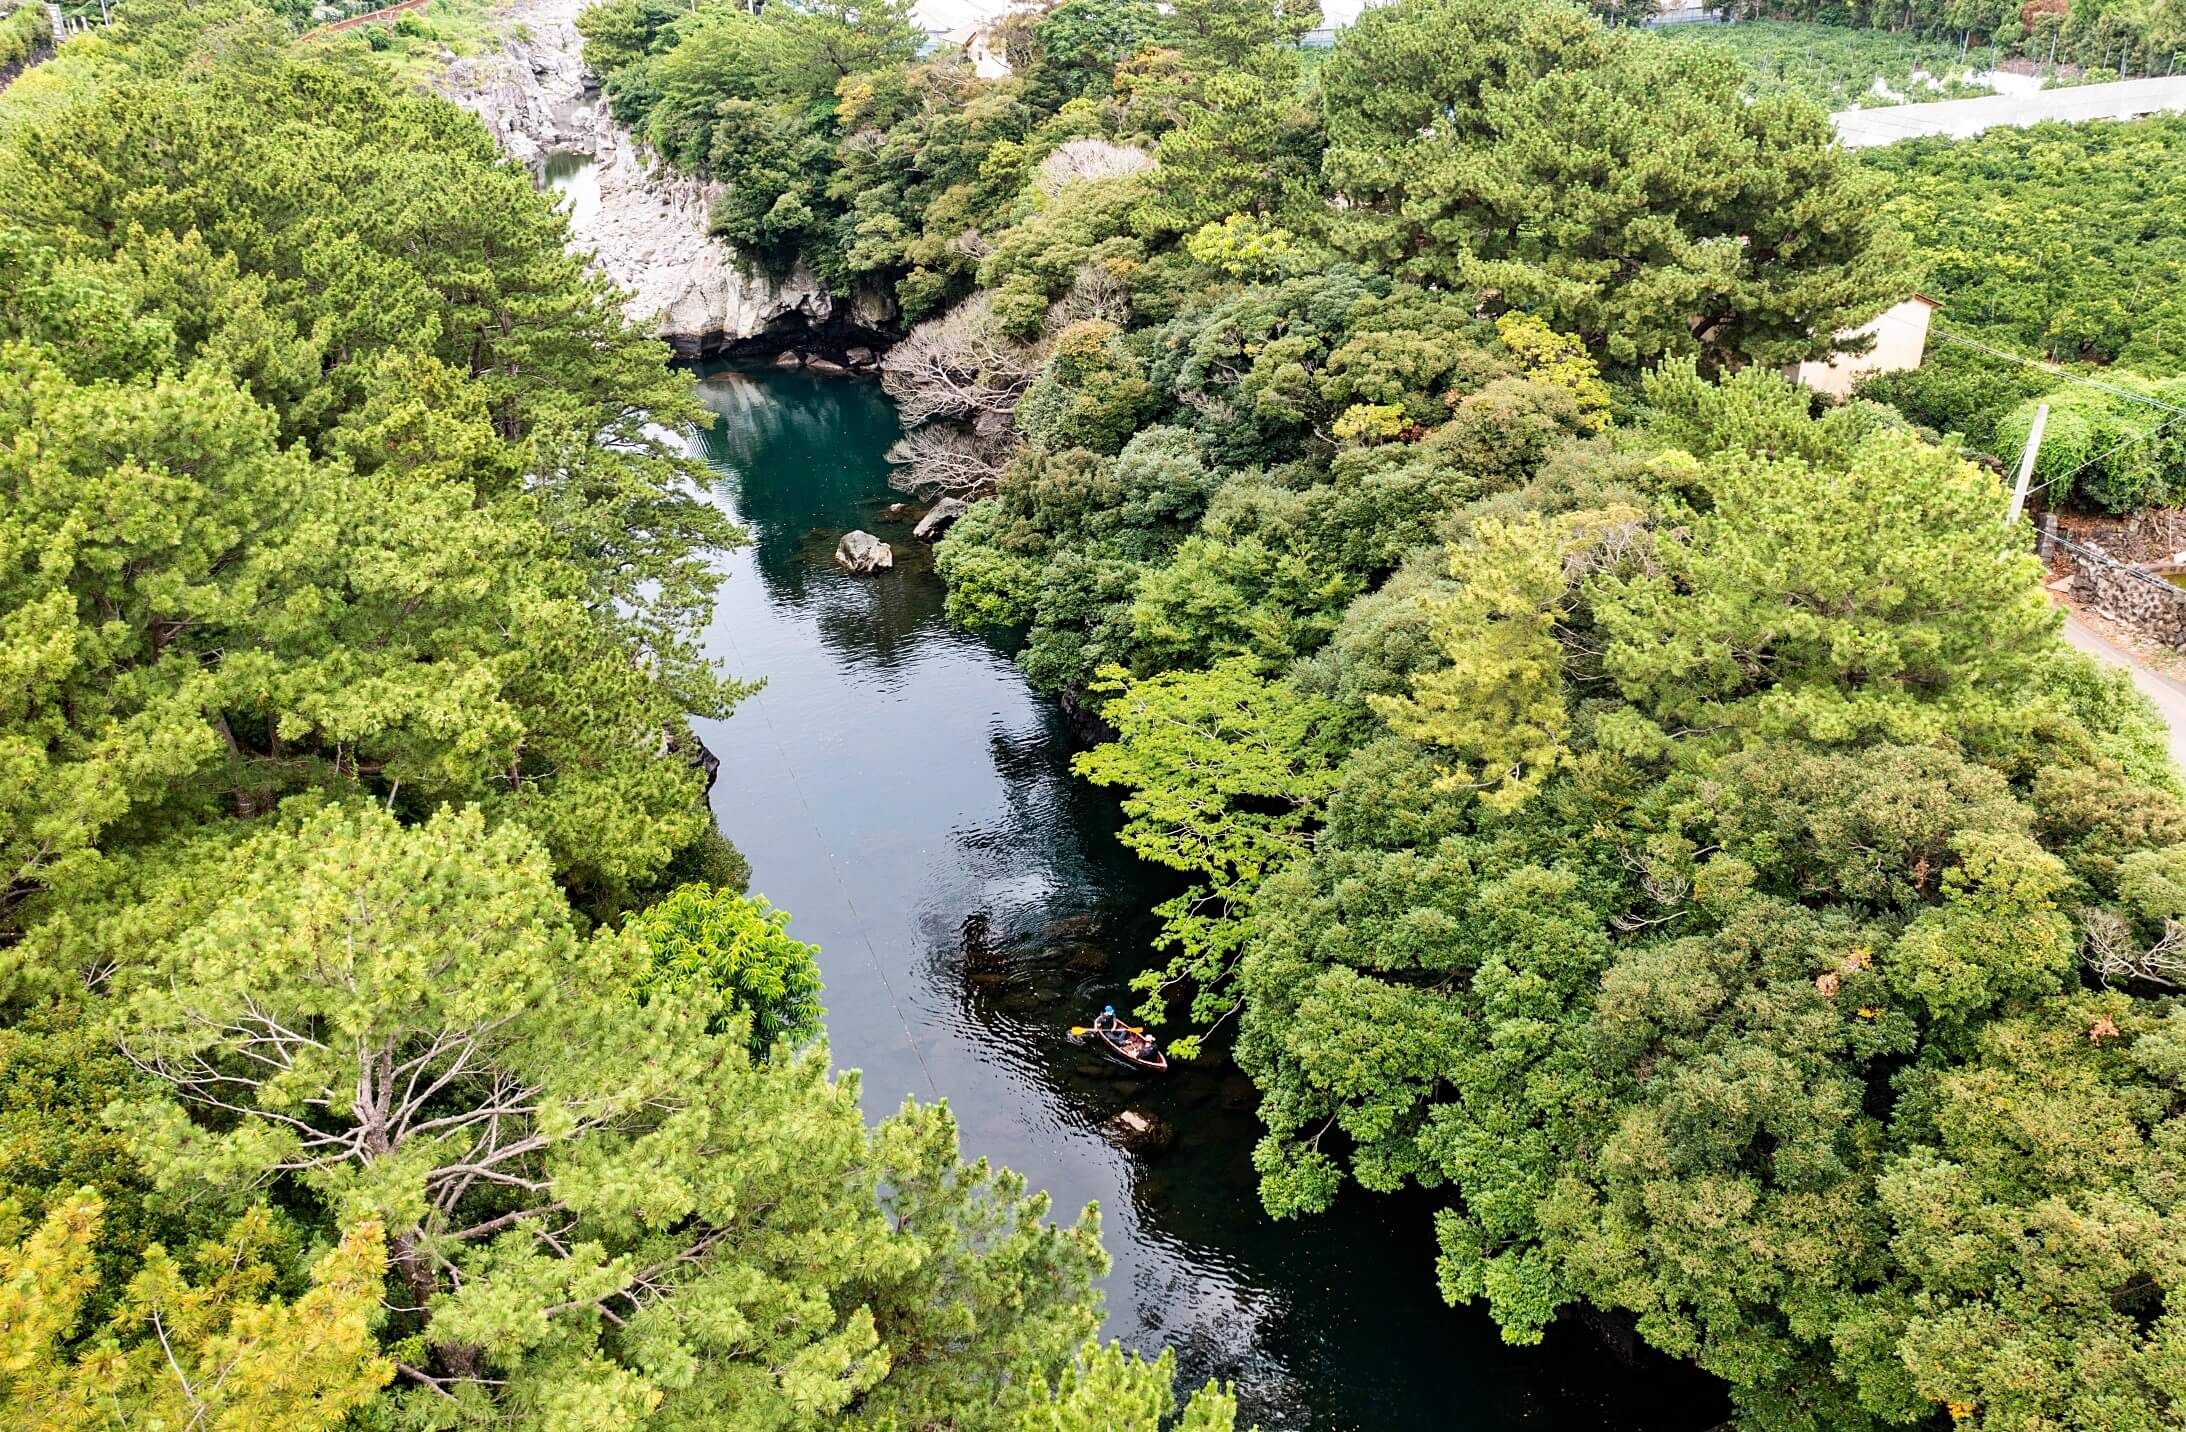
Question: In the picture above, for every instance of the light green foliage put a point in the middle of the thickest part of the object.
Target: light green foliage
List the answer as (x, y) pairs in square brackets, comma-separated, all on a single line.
[(1240, 246), (359, 487), (998, 1298), (2102, 449), (349, 592), (1110, 1390), (1084, 224), (1836, 66), (737, 950), (2059, 240), (1092, 393), (25, 32), (2138, 38), (1559, 360), (1752, 411), (2039, 1212), (567, 1178), (2090, 275), (1247, 144), (1619, 189), (177, 1353), (1497, 699), (1225, 772), (1997, 936), (1834, 604)]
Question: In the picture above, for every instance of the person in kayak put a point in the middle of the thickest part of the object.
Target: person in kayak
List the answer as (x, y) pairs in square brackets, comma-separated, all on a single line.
[(1106, 1021)]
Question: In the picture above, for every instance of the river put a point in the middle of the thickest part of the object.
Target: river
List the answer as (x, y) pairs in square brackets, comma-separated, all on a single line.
[(906, 796)]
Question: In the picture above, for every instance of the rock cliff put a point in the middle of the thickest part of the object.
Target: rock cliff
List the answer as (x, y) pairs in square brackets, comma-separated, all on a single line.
[(647, 228)]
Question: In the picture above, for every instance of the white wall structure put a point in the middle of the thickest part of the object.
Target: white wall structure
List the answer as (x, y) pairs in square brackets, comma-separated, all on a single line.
[(1901, 338), (1964, 118)]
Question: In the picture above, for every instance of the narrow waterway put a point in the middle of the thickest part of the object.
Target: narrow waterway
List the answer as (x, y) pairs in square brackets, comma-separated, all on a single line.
[(900, 790)]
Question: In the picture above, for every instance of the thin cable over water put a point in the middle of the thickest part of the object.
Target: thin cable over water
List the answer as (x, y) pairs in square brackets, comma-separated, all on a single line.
[(835, 866)]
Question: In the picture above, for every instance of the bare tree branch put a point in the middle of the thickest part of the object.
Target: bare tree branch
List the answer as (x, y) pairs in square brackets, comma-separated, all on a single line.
[(943, 460), (960, 365)]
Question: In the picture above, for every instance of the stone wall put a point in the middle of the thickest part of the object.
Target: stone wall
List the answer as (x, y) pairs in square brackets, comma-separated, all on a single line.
[(2130, 595)]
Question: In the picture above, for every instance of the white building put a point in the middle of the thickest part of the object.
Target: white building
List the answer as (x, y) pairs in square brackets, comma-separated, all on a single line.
[(1901, 340)]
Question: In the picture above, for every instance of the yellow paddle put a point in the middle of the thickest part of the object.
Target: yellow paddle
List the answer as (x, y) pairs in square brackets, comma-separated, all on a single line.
[(1078, 1029)]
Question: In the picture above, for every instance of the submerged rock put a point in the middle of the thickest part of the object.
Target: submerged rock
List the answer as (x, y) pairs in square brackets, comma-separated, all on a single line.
[(939, 516), (862, 553), (1140, 1133)]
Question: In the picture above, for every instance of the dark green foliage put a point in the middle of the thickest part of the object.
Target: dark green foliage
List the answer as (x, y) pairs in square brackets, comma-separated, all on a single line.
[(1619, 189), (1080, 43)]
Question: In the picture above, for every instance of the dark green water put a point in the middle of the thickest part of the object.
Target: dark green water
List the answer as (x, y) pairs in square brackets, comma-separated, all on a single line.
[(900, 790)]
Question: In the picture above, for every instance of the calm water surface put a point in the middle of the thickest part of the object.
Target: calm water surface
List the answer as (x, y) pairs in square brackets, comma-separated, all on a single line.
[(901, 791)]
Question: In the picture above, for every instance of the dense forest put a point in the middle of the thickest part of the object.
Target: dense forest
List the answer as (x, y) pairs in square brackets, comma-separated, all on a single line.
[(1643, 811), (1839, 67), (1652, 816), (387, 1042), (2061, 242), (2112, 37)]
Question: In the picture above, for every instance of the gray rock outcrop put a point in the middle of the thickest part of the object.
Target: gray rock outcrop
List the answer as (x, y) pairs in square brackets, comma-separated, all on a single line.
[(862, 553), (646, 229)]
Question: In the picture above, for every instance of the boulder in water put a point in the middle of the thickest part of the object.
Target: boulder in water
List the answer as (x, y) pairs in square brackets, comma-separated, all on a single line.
[(939, 516), (789, 358), (1140, 1133), (862, 553), (826, 366)]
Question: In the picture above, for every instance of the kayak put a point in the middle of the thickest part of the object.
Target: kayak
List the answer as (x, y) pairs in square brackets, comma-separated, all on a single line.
[(1132, 1049)]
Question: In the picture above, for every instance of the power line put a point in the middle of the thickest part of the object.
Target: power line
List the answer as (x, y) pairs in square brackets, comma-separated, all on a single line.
[(2110, 451), (2056, 371)]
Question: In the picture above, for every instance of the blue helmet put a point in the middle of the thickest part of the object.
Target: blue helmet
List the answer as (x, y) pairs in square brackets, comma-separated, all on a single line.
[(1108, 1009)]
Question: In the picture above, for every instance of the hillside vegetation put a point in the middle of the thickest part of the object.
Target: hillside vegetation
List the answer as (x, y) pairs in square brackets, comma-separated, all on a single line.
[(2060, 242), (384, 1038), (1645, 815), (1838, 67), (2096, 35)]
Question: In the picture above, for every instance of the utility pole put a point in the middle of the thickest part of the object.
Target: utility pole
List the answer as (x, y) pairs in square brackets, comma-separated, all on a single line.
[(2026, 465)]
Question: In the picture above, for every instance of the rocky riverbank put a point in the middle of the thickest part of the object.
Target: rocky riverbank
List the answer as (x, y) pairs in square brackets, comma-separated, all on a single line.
[(648, 231)]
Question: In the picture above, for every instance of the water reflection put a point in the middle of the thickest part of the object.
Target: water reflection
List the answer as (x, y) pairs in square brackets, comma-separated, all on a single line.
[(575, 179), (898, 789)]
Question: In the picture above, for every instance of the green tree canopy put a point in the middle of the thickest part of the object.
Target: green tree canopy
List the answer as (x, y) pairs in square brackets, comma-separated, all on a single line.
[(1620, 190)]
